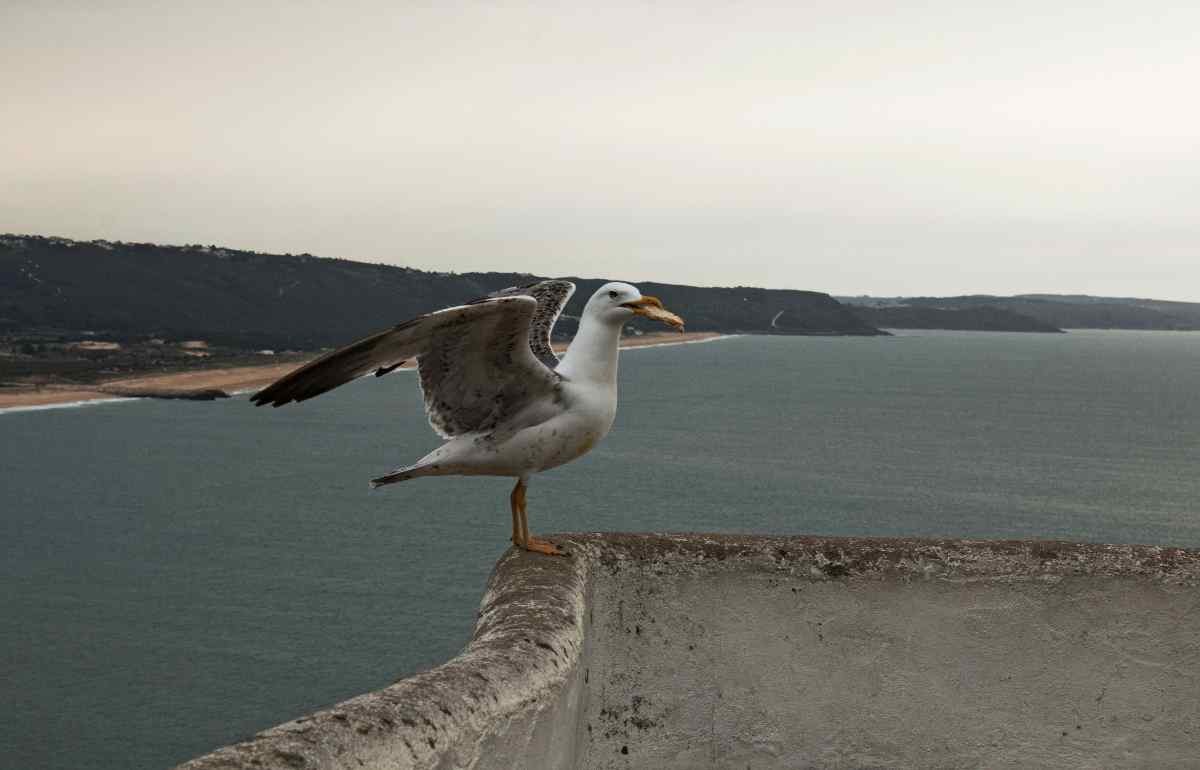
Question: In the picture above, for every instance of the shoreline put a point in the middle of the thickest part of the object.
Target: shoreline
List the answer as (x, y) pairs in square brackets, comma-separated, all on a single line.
[(236, 380)]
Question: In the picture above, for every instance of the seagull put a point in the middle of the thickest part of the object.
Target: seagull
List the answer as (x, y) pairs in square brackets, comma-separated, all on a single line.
[(494, 389)]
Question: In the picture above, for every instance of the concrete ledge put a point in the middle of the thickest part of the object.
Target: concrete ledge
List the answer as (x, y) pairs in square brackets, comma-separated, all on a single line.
[(685, 651)]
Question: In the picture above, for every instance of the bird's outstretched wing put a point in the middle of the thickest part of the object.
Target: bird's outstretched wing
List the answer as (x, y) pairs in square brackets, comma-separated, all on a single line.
[(476, 365), (552, 297)]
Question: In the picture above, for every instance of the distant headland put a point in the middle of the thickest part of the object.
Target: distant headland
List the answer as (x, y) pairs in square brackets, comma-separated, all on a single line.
[(1026, 312), (98, 317), (80, 314), (300, 302)]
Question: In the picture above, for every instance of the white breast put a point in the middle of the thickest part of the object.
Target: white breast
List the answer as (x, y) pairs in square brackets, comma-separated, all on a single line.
[(588, 417)]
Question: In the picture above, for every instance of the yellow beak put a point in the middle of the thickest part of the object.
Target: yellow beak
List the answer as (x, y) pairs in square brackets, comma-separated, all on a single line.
[(652, 307)]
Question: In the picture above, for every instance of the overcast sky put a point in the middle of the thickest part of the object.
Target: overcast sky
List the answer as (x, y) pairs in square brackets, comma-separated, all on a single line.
[(942, 147)]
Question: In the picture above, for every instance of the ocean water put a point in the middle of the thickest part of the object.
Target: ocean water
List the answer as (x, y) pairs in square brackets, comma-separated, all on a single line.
[(176, 576)]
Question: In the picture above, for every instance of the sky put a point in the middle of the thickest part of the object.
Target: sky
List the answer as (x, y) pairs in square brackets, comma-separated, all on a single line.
[(887, 148)]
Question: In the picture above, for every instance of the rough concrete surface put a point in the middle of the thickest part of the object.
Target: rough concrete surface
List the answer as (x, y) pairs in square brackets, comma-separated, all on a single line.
[(717, 651)]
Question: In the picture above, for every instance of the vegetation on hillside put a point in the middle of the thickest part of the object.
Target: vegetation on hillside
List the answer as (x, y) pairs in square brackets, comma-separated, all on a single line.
[(252, 300)]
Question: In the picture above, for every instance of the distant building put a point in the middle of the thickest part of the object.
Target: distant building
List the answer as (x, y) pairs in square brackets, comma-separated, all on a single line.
[(194, 345), (95, 345)]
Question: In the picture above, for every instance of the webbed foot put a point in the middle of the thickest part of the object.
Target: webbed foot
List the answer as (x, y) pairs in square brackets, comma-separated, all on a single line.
[(544, 546)]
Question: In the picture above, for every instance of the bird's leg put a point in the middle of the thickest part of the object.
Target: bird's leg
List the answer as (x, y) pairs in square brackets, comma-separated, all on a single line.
[(518, 493), (524, 516), (528, 542)]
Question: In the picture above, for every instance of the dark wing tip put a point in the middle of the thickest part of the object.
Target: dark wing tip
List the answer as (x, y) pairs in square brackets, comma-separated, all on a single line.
[(262, 398), (276, 396), (388, 369), (300, 385)]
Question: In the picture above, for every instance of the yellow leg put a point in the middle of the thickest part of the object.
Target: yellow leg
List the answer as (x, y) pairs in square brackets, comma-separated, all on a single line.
[(524, 516), (518, 493), (521, 521)]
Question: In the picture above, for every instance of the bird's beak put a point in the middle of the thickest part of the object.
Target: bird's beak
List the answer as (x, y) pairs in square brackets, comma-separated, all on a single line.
[(652, 307)]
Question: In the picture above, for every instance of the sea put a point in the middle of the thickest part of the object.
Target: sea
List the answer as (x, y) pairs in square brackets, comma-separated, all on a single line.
[(177, 576)]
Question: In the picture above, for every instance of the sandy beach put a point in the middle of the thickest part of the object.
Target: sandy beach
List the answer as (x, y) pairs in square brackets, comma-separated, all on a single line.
[(231, 380)]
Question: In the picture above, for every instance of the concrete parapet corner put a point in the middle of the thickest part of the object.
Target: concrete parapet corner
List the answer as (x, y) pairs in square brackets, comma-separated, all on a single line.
[(692, 650)]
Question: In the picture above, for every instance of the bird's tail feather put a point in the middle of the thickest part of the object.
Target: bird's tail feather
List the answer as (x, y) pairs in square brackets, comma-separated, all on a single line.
[(398, 475)]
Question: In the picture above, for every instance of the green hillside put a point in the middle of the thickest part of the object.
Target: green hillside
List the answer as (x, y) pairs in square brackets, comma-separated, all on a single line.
[(251, 300)]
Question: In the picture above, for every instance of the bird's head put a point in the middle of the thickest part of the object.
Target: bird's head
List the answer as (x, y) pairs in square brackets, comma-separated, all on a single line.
[(619, 302)]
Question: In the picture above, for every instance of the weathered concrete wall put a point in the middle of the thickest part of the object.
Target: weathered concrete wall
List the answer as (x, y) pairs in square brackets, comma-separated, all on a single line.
[(693, 651)]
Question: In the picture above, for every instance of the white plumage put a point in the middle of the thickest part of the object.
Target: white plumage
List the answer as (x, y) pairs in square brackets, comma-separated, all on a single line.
[(493, 387)]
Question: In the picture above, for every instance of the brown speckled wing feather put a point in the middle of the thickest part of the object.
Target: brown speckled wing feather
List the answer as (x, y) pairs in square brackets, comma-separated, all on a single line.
[(552, 297), (476, 365)]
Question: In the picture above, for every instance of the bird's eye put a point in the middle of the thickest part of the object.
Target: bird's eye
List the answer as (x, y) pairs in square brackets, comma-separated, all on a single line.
[(612, 294)]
